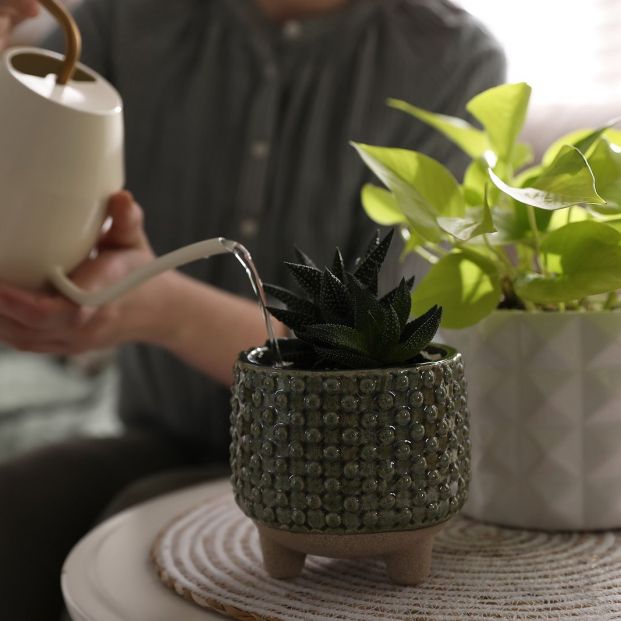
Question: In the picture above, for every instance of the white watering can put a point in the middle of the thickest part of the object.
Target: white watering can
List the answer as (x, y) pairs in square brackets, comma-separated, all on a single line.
[(61, 157)]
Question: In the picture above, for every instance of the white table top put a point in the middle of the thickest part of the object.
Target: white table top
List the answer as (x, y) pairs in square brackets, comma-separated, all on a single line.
[(108, 575)]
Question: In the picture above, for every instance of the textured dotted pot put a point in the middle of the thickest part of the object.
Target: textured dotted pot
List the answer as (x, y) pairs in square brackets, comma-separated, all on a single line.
[(546, 419), (350, 463)]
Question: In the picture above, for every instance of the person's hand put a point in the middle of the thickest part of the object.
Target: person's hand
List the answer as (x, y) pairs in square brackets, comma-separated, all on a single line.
[(13, 12), (50, 323)]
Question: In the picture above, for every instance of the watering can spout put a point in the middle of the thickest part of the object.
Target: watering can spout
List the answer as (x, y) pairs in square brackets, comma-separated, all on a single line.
[(172, 260)]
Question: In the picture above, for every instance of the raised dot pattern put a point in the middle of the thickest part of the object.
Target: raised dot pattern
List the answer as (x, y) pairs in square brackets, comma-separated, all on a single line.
[(357, 451)]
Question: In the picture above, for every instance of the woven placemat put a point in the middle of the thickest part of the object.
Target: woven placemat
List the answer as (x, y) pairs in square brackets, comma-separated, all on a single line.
[(211, 556)]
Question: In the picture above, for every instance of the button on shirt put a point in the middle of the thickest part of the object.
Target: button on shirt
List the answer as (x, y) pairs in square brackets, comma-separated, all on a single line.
[(240, 127)]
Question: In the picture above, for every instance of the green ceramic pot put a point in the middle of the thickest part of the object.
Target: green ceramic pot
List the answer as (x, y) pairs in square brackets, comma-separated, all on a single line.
[(350, 452)]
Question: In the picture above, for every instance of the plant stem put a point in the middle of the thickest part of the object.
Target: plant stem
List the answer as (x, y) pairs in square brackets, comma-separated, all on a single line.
[(428, 256), (436, 248), (501, 255), (611, 300), (532, 219), (561, 307), (569, 214)]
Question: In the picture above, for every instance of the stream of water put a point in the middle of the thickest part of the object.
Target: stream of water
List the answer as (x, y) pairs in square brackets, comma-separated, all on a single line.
[(245, 258)]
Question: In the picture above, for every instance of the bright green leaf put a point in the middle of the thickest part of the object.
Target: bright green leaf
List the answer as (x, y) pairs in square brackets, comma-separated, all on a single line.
[(523, 155), (475, 180), (582, 139), (477, 221), (605, 162), (471, 140), (513, 224), (561, 218), (567, 181), (528, 176), (588, 254), (465, 285), (381, 205), (424, 189), (576, 243), (570, 175), (502, 111), (572, 138)]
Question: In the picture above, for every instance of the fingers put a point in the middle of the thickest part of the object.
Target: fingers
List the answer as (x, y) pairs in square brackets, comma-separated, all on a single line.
[(36, 311), (19, 9), (5, 28), (18, 337), (12, 12), (40, 323), (126, 230)]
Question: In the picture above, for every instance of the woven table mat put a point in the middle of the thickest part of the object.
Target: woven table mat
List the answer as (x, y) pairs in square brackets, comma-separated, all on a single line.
[(211, 556)]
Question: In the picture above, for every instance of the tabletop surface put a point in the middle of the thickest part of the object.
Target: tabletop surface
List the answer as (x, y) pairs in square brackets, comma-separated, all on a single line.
[(489, 571), (108, 575)]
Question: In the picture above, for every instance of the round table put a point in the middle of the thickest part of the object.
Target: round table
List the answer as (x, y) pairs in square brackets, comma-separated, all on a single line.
[(479, 568), (108, 575)]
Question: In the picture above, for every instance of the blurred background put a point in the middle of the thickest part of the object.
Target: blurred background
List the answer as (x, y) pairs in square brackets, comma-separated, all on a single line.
[(570, 53)]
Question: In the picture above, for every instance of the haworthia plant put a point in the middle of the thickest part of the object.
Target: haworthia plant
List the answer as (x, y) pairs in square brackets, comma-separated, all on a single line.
[(344, 322)]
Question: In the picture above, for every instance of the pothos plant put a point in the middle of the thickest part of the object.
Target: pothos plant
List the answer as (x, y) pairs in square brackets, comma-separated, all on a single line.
[(512, 234)]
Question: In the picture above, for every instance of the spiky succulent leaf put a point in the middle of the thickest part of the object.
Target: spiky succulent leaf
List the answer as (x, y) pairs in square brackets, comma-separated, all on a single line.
[(294, 302), (334, 335), (342, 321), (391, 328), (415, 324), (388, 298), (373, 244), (418, 334), (309, 278), (297, 352), (303, 258), (338, 266), (335, 302), (291, 319), (368, 269), (345, 359), (367, 309), (400, 299)]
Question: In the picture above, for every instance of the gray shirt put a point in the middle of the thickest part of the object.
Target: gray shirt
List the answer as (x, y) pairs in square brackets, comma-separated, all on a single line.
[(239, 127)]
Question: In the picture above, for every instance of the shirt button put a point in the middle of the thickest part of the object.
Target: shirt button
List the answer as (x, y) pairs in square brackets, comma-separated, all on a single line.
[(292, 30), (249, 227), (260, 149)]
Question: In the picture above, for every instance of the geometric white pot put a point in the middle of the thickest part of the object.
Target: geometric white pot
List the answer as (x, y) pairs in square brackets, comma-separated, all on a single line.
[(544, 393)]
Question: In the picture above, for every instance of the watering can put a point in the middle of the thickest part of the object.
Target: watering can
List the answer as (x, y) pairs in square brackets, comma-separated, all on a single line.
[(61, 157)]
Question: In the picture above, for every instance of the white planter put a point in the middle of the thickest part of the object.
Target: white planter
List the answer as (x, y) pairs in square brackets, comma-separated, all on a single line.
[(545, 404)]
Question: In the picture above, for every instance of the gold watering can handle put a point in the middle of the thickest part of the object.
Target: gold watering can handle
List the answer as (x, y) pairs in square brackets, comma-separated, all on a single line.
[(73, 40)]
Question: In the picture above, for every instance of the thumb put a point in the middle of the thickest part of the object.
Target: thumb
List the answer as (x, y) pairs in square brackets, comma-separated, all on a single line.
[(126, 230)]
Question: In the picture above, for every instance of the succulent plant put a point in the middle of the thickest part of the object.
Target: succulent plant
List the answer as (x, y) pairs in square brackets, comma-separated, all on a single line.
[(341, 319)]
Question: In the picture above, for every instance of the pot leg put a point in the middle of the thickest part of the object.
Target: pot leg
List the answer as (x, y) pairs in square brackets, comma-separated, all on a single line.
[(412, 565), (280, 562)]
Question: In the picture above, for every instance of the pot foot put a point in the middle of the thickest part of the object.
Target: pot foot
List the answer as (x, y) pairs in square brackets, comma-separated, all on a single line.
[(411, 566), (280, 562)]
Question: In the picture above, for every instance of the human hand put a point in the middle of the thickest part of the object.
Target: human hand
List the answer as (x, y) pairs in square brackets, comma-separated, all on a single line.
[(13, 12), (46, 322)]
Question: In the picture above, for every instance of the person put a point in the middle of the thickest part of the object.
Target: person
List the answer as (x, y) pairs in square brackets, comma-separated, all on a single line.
[(238, 119)]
